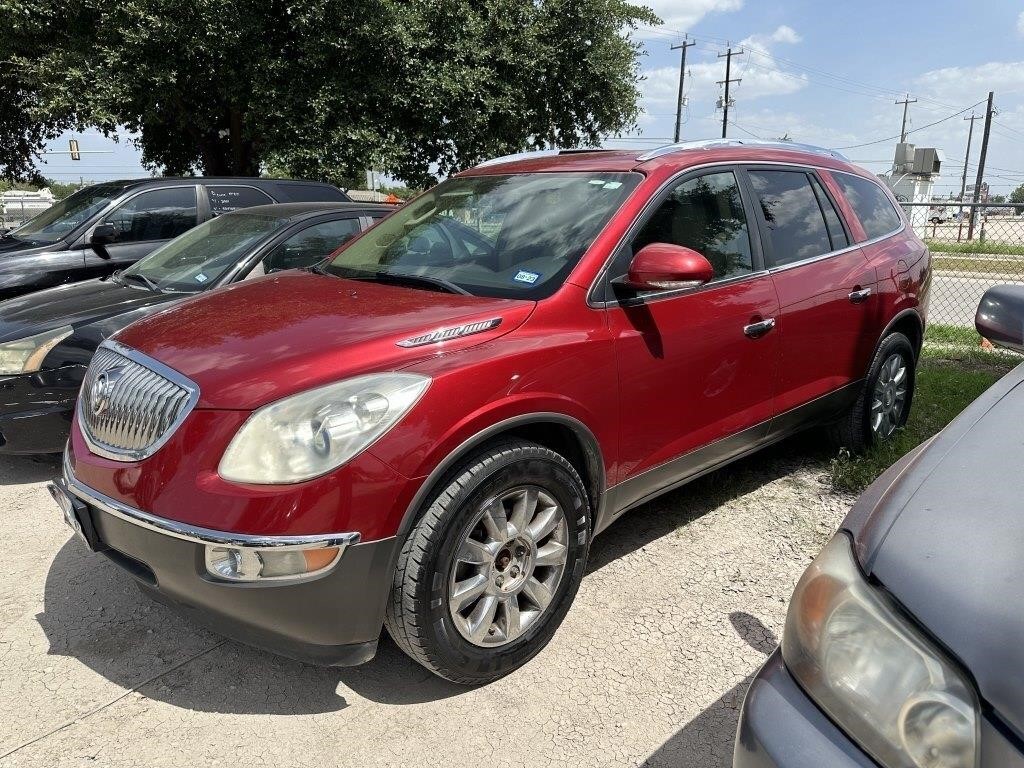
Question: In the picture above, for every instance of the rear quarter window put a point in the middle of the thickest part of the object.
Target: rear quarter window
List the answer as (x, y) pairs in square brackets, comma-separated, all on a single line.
[(312, 193), (873, 207)]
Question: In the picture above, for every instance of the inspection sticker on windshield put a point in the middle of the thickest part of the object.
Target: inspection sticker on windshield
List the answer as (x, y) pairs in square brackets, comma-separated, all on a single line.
[(201, 278), (522, 276)]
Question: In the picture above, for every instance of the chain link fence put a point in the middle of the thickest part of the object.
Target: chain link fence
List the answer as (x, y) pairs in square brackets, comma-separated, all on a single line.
[(973, 248)]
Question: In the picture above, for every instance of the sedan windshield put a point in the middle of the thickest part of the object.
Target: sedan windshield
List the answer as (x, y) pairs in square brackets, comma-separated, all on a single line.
[(514, 236), (200, 257), (62, 218)]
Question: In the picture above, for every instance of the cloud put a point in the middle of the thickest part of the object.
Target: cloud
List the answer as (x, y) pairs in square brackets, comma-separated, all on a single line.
[(1020, 24), (785, 34), (681, 15), (966, 85)]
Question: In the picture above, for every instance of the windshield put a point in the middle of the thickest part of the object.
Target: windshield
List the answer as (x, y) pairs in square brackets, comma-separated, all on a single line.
[(515, 236), (200, 257), (66, 216)]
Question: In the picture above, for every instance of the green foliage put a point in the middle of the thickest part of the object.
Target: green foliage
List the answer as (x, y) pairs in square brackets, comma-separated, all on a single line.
[(950, 376), (323, 89), (1017, 196)]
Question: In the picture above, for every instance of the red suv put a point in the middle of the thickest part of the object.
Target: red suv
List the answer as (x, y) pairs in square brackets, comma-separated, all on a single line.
[(427, 431)]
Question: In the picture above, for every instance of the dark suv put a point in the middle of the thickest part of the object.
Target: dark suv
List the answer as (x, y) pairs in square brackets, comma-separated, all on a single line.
[(427, 431), (109, 226)]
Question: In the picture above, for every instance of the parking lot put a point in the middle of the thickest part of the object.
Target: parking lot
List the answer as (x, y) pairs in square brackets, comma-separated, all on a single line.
[(683, 600)]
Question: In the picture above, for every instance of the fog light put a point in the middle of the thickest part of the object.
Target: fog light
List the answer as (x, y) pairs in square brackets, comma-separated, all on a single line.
[(248, 564)]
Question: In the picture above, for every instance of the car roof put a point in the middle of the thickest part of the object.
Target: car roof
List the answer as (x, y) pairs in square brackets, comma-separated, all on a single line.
[(296, 211), (676, 156), (249, 180)]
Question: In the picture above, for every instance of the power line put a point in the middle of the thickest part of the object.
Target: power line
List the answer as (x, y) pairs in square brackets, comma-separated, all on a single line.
[(913, 130), (682, 74)]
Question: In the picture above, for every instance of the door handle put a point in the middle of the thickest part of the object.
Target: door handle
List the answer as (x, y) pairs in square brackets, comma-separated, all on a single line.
[(757, 330), (860, 295)]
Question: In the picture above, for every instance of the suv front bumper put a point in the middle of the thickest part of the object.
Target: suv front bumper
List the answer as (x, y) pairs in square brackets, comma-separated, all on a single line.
[(333, 618)]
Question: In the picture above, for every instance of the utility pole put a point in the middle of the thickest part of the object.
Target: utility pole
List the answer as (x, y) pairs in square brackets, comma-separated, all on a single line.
[(725, 104), (682, 73), (981, 166), (903, 129), (963, 179)]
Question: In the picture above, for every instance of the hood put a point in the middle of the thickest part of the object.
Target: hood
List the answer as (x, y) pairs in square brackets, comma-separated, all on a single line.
[(255, 342), (11, 248), (947, 540), (76, 305)]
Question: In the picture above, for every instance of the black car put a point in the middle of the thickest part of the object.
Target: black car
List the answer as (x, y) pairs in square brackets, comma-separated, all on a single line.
[(110, 226), (48, 338), (903, 643)]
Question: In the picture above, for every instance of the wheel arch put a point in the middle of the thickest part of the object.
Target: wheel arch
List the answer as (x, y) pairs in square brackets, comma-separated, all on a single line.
[(563, 434), (909, 323)]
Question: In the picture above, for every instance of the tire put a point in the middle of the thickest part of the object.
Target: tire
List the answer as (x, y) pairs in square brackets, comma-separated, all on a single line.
[(449, 548), (859, 428)]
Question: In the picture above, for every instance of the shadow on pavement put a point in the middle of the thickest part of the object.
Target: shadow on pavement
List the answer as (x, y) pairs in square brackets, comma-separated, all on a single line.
[(21, 470), (94, 612), (665, 514), (707, 740)]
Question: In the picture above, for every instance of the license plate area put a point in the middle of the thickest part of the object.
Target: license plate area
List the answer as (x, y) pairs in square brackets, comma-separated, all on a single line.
[(77, 515)]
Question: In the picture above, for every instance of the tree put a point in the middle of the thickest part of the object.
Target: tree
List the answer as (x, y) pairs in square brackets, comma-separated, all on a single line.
[(325, 89), (1017, 197)]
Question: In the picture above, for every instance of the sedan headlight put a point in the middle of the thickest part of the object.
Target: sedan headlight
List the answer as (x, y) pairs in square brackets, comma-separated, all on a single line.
[(26, 355), (311, 433), (875, 674)]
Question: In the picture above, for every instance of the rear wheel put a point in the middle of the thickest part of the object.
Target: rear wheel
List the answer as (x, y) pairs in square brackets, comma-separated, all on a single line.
[(489, 571), (884, 402)]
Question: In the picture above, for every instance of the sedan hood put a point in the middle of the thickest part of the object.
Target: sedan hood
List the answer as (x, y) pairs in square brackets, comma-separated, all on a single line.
[(256, 342), (76, 305), (947, 540)]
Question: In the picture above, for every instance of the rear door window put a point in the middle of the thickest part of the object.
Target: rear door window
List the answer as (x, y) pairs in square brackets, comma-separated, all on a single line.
[(224, 199), (872, 206), (793, 218), (836, 232)]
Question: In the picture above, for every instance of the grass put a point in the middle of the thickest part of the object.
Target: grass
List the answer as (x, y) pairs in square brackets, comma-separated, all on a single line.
[(975, 246), (968, 263), (952, 373)]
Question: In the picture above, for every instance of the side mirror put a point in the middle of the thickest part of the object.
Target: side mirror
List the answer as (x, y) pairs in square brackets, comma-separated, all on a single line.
[(1000, 317), (665, 267), (103, 234)]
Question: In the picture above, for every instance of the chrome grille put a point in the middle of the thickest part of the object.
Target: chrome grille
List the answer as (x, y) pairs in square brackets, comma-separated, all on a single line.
[(131, 404)]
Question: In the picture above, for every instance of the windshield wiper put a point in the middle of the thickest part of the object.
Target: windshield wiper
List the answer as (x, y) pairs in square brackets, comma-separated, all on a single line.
[(140, 277), (400, 278)]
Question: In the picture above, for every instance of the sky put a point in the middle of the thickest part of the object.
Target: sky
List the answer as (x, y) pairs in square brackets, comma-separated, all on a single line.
[(825, 73)]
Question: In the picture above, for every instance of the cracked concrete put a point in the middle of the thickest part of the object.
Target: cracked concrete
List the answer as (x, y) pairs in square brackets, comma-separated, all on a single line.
[(683, 600)]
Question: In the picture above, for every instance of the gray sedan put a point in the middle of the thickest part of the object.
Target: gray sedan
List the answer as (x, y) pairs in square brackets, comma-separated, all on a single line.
[(904, 643)]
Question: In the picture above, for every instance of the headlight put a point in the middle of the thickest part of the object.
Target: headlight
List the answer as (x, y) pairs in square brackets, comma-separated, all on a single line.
[(26, 355), (873, 672), (311, 433)]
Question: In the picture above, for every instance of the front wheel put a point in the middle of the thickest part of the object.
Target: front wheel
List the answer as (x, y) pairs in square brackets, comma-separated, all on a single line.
[(489, 571), (884, 402)]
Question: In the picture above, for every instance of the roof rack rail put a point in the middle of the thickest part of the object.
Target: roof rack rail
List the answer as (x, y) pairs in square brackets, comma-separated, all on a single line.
[(537, 153), (711, 143)]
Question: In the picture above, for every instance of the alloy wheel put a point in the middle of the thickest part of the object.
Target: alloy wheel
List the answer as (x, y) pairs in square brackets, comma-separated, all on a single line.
[(508, 566), (889, 397)]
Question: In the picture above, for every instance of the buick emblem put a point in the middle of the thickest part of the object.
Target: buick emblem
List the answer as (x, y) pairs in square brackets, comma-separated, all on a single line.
[(102, 389)]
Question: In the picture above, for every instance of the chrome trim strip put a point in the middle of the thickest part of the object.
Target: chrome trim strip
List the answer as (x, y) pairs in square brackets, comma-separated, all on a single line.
[(445, 333), (160, 369), (195, 534)]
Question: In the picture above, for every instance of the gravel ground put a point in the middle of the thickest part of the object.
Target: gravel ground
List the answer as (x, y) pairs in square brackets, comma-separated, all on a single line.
[(684, 599)]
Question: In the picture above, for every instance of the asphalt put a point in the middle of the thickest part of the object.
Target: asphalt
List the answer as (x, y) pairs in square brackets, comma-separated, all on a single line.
[(683, 601)]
